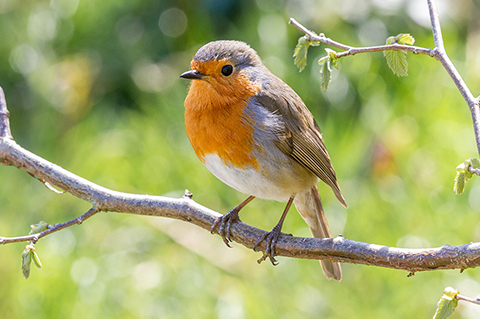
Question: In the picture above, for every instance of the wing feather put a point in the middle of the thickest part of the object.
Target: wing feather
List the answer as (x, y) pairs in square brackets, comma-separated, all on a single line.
[(301, 138)]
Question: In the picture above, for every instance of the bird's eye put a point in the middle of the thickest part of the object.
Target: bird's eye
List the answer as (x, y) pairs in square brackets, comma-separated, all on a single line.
[(227, 70)]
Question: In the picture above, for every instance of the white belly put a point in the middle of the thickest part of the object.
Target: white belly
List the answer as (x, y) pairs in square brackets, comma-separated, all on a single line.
[(252, 182)]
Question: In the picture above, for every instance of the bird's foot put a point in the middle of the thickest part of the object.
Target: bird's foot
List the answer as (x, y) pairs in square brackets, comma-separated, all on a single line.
[(224, 223), (271, 239)]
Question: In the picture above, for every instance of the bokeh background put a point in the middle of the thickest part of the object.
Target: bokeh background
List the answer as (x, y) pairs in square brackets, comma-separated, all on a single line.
[(94, 87)]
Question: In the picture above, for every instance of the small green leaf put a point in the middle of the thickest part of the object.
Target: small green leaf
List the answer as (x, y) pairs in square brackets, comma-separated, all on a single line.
[(397, 61), (475, 162), (26, 270), (391, 40), (405, 38), (447, 304), (36, 259), (464, 174), (300, 52), (326, 73), (38, 228), (333, 57), (459, 185), (322, 60), (26, 261), (28, 255), (326, 63)]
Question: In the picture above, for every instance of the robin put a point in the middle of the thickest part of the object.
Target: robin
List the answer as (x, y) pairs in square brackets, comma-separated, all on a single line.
[(255, 134)]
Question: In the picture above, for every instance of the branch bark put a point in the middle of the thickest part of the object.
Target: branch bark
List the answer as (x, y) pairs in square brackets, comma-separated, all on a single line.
[(334, 249), (438, 53)]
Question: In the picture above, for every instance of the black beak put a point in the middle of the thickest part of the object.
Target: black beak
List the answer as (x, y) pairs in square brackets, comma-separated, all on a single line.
[(192, 75)]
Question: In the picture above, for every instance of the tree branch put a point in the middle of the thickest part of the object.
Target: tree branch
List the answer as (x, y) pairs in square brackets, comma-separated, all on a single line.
[(464, 298), (438, 53), (335, 249), (349, 50), (442, 56), (4, 116), (51, 229)]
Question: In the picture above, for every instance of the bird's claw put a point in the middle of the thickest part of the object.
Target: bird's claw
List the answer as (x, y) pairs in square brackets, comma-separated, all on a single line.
[(224, 223), (271, 239)]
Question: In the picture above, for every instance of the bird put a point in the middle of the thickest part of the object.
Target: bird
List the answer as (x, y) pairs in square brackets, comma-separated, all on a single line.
[(254, 133)]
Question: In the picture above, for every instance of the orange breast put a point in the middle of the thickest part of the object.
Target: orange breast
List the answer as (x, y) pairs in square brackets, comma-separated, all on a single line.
[(216, 123)]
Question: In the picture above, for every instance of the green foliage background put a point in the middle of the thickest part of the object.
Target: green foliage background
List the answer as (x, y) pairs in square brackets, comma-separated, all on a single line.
[(93, 86)]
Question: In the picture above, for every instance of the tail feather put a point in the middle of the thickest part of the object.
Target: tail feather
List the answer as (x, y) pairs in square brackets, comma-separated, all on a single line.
[(310, 208)]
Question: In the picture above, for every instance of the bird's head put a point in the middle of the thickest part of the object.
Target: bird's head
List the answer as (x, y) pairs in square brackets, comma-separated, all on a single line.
[(228, 70)]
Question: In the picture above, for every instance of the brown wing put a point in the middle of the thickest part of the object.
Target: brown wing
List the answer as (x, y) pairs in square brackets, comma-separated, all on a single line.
[(301, 138)]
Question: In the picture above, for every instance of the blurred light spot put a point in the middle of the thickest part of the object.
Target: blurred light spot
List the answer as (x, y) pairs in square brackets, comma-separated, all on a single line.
[(24, 59), (422, 167), (42, 25), (353, 10), (464, 141), (275, 65), (303, 8), (146, 275), (71, 85), (129, 30), (84, 271), (153, 77), (64, 8), (383, 162), (128, 238), (272, 29), (418, 11), (473, 58), (372, 32), (371, 84), (155, 169), (30, 296), (339, 92), (402, 132), (270, 5), (230, 304), (7, 5), (474, 198), (119, 264), (113, 143), (392, 189), (412, 241), (375, 114), (476, 236), (173, 22), (311, 301), (92, 294), (62, 243), (440, 200), (389, 6)]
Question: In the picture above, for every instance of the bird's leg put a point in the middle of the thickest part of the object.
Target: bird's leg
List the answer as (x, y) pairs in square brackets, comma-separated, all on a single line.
[(272, 237), (224, 222)]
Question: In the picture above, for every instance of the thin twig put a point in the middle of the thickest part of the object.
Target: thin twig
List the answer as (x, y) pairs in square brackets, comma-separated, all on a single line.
[(460, 297), (35, 237), (349, 50), (442, 56), (4, 116), (438, 53), (474, 170), (435, 21)]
